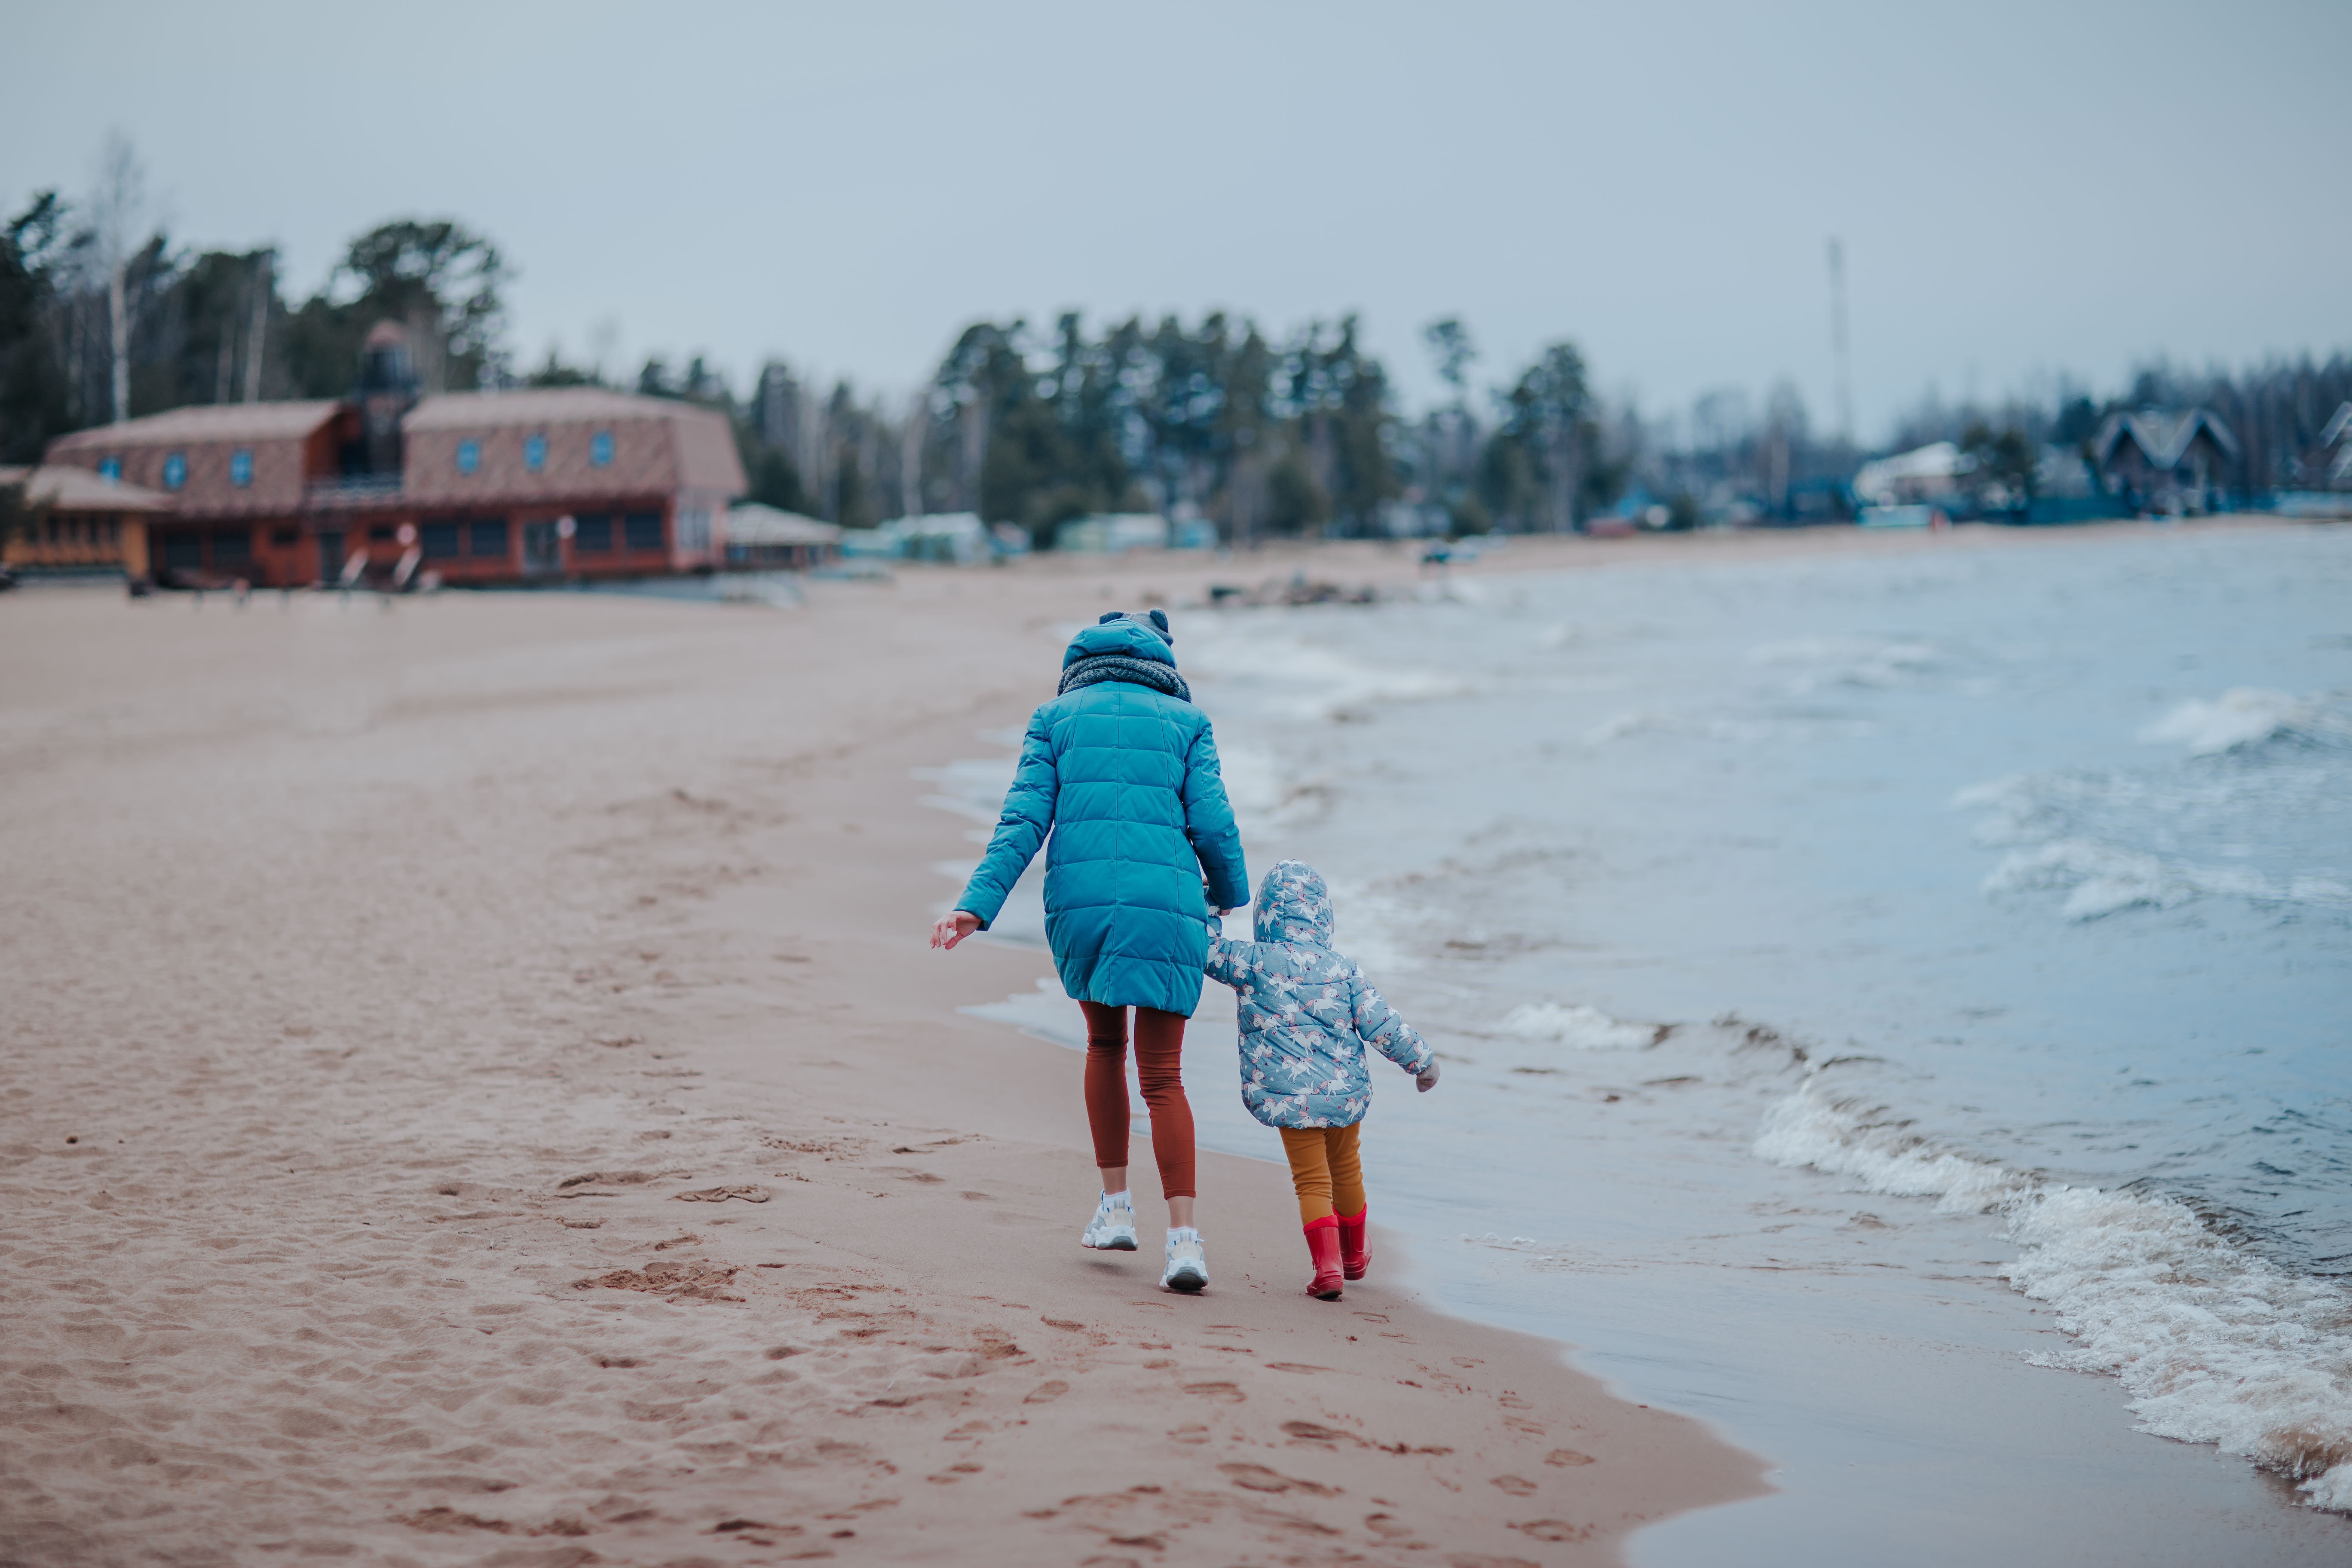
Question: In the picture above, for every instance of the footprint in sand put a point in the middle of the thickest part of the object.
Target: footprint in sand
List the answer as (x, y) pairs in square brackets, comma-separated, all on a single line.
[(1314, 1432), (1258, 1479), (1394, 1533), (1046, 1392), (1224, 1392), (1567, 1457), (1554, 1530), (1516, 1485)]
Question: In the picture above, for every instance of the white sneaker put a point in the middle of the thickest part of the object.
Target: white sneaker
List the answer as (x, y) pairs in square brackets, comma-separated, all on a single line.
[(1188, 1266), (1113, 1228)]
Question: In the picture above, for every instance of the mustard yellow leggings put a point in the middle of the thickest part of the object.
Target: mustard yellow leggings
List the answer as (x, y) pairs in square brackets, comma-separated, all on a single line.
[(1325, 1171)]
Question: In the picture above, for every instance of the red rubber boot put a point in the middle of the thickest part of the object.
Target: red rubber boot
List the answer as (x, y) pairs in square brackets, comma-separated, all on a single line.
[(1323, 1245), (1355, 1246)]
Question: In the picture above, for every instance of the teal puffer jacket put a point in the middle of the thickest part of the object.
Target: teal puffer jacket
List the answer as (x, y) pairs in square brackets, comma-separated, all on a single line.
[(1125, 778)]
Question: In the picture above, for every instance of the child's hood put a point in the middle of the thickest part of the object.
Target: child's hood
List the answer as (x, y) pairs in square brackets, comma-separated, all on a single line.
[(1292, 905)]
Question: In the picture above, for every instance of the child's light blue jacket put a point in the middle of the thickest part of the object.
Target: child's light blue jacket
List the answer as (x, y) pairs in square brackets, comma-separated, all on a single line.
[(1306, 1014)]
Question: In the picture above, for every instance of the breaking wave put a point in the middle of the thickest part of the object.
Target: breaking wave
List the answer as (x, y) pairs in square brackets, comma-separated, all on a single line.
[(2242, 716), (2213, 1344), (1579, 1027)]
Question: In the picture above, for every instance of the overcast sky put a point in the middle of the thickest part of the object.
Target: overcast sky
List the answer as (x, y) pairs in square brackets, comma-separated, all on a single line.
[(2023, 190)]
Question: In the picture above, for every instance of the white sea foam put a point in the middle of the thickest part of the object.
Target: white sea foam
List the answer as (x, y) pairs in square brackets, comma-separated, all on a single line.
[(2242, 716), (1306, 682), (2100, 877), (1266, 798), (1578, 1026), (2215, 1345)]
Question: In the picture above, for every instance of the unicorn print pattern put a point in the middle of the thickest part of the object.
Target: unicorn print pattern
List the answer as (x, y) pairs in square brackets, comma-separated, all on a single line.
[(1307, 1012)]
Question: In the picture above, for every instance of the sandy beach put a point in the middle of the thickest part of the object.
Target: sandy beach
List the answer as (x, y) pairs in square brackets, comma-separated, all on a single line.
[(476, 1093)]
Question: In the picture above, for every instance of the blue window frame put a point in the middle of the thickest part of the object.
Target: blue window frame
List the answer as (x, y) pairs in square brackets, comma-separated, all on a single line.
[(110, 468), (642, 531), (486, 537), (534, 452), (439, 540), (240, 466), (600, 448), (469, 455), (175, 470), (592, 535)]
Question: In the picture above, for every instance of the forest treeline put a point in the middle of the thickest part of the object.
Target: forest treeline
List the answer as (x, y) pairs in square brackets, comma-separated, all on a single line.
[(1265, 434)]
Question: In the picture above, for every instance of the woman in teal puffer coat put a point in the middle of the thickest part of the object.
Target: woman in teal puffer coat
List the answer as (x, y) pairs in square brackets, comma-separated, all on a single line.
[(1121, 770)]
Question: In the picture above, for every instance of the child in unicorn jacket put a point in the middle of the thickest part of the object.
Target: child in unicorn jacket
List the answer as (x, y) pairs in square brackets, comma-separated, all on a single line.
[(1306, 1015)]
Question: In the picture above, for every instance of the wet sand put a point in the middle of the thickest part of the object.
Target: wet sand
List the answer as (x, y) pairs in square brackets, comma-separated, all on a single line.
[(476, 1091)]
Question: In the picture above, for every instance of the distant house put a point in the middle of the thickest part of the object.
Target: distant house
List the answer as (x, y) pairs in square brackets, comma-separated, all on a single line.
[(2163, 460), (2328, 465), (475, 486), (1113, 532), (951, 537), (765, 536), (74, 521), (1924, 474), (2323, 475)]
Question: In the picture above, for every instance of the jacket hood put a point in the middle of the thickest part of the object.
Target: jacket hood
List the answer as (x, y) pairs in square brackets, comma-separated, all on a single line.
[(1292, 905), (1125, 635)]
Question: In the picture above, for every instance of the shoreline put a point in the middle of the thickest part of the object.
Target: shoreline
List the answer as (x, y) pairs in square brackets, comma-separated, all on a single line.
[(507, 925)]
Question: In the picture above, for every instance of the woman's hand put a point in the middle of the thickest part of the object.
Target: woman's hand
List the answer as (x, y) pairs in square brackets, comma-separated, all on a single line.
[(953, 927)]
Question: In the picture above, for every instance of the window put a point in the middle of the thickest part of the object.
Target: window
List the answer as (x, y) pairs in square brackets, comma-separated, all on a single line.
[(183, 552), (383, 532), (240, 466), (232, 548), (600, 448), (592, 533), (642, 531), (110, 468), (694, 531), (486, 536), (534, 453), (469, 455), (285, 536), (439, 540), (175, 470)]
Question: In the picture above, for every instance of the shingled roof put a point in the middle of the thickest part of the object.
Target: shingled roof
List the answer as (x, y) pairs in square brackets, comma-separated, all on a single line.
[(65, 488), (2163, 436), (647, 446), (204, 422)]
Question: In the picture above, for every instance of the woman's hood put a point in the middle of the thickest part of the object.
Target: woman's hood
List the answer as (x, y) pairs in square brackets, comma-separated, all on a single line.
[(1120, 634), (1292, 905)]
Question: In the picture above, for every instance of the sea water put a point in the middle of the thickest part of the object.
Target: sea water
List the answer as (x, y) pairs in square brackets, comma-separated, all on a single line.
[(1871, 987)]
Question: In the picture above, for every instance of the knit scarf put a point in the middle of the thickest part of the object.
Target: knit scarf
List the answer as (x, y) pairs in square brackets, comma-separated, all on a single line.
[(1121, 666)]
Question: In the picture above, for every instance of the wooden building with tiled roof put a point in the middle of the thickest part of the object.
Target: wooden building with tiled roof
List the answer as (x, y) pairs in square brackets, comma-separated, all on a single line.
[(475, 486)]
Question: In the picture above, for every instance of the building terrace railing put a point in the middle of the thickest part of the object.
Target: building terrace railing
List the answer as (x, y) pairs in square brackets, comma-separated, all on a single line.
[(362, 490)]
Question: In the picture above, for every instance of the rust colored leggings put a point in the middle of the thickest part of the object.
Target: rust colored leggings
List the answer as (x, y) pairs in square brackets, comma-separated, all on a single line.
[(1160, 1071), (1325, 1171)]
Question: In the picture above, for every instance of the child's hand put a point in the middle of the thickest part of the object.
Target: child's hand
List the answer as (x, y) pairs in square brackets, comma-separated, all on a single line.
[(1427, 1080), (953, 927)]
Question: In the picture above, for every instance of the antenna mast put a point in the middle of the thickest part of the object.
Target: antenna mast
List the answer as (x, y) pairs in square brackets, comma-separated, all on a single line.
[(1838, 353)]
